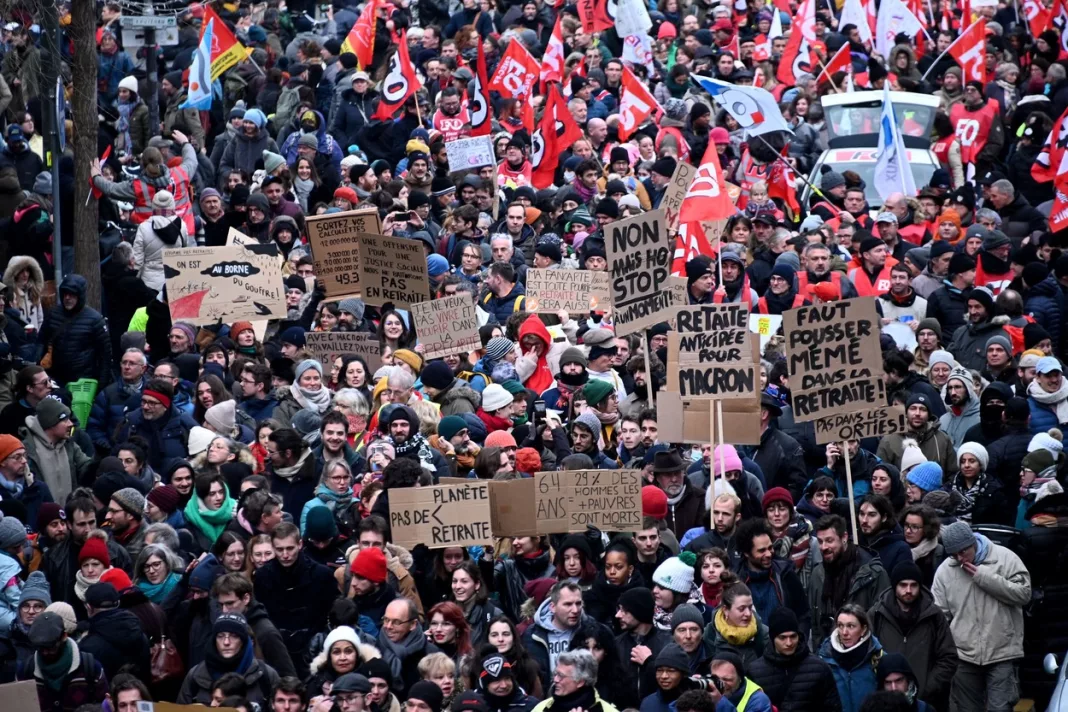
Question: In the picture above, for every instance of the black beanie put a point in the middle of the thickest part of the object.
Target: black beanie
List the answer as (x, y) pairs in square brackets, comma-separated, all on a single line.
[(1034, 273), (608, 208), (729, 656), (377, 667), (869, 243), (1033, 334), (426, 691), (417, 199), (782, 620), (960, 263), (547, 249), (906, 571), (619, 154), (639, 603), (893, 662), (698, 267)]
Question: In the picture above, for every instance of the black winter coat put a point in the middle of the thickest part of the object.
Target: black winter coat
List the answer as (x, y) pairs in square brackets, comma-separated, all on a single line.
[(782, 461), (124, 293), (353, 112), (115, 638), (800, 682), (81, 346), (297, 600), (60, 567), (602, 598), (1019, 219), (1045, 303), (949, 306)]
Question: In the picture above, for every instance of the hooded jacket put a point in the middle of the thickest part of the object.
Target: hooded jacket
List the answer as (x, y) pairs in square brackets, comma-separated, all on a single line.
[(81, 346), (926, 641), (115, 638), (956, 421), (62, 466), (545, 641), (154, 235), (328, 146), (260, 678), (867, 583), (352, 113), (537, 375), (795, 683), (1045, 302), (243, 152), (458, 398), (30, 310)]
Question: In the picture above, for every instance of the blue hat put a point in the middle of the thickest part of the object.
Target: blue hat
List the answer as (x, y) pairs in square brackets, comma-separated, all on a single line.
[(436, 265), (927, 476), (257, 34), (293, 335), (1048, 364), (257, 117), (784, 270)]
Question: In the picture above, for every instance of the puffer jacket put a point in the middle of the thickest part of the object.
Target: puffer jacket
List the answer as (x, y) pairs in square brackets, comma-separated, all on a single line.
[(167, 437), (795, 683), (985, 610), (30, 310), (856, 684), (968, 345), (115, 638), (927, 642), (457, 399), (328, 146), (154, 235), (869, 581), (1045, 302), (260, 679), (934, 444), (352, 114), (244, 151), (109, 409), (81, 346)]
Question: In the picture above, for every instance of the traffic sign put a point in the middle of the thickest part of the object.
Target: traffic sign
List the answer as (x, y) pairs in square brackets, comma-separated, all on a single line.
[(154, 22)]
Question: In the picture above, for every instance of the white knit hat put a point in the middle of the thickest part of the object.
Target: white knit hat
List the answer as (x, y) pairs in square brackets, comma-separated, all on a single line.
[(130, 84), (341, 633), (1048, 442), (199, 439), (911, 455), (975, 450), (676, 573), (940, 356), (495, 397)]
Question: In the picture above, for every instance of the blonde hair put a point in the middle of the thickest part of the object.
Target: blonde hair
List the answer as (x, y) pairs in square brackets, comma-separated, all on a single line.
[(436, 664)]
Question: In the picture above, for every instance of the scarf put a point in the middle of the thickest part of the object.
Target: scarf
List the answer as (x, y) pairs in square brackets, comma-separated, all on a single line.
[(734, 635), (81, 583), (123, 124), (1057, 402), (606, 418), (413, 646), (924, 548), (210, 522), (982, 549), (586, 194), (288, 473), (969, 495), (54, 674), (218, 665), (1008, 96), (711, 593), (418, 446), (158, 592), (15, 487), (334, 502), (316, 401), (677, 498), (567, 392), (849, 658), (303, 189), (839, 576), (584, 698)]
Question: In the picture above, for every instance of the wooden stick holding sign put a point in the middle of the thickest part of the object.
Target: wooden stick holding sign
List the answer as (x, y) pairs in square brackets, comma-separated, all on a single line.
[(719, 403), (649, 369), (849, 487)]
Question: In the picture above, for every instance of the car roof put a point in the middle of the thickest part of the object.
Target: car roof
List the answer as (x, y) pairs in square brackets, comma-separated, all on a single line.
[(865, 97)]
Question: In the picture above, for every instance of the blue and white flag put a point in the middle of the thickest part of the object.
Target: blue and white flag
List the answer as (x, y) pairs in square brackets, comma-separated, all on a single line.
[(892, 171), (199, 96), (755, 109)]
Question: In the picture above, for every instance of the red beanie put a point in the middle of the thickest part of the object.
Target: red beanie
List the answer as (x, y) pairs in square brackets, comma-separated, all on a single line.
[(370, 564), (95, 548), (527, 460), (117, 578), (654, 502), (777, 494)]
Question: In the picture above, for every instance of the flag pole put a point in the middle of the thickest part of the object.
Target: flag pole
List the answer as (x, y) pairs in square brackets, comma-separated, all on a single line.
[(829, 77), (779, 158), (939, 57)]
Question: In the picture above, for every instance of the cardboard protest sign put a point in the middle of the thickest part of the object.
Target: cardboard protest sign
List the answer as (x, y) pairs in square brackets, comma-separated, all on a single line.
[(20, 696), (872, 423), (639, 262), (236, 237), (568, 501), (512, 503), (447, 326), (834, 358), (710, 355), (208, 285), (576, 291), (325, 346), (441, 516), (676, 189), (466, 154), (692, 421), (393, 270), (335, 246)]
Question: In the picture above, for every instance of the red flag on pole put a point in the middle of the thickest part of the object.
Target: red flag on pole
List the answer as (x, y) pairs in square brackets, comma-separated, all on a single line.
[(552, 69), (838, 63), (400, 83), (556, 130), (970, 52), (636, 104), (479, 105), (706, 199), (516, 72), (796, 58), (361, 38)]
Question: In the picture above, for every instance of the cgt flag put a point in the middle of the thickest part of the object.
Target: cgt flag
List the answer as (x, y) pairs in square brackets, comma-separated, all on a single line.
[(361, 38), (400, 83), (226, 51), (754, 109)]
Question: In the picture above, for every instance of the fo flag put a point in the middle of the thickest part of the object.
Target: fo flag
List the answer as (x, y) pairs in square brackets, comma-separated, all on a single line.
[(636, 104), (1052, 162), (596, 15), (361, 38), (516, 72), (753, 108), (400, 83), (556, 131), (478, 105), (552, 68), (970, 52), (796, 56), (706, 199)]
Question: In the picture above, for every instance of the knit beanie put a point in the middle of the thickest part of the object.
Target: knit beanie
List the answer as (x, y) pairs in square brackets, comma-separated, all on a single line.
[(376, 668), (1047, 441), (495, 397), (51, 411), (985, 297), (293, 335), (205, 573), (353, 306), (589, 421), (48, 513), (728, 655), (927, 476), (437, 374), (730, 459), (342, 633), (1034, 334), (527, 460), (12, 532), (639, 603), (654, 502), (673, 656), (957, 537), (409, 357), (573, 354), (370, 564), (165, 497), (428, 692), (597, 391), (782, 620), (450, 425), (222, 416), (911, 455), (94, 548), (931, 324), (130, 500), (36, 588), (233, 623), (66, 613), (1000, 340), (499, 347), (307, 365), (906, 571), (199, 439), (1038, 461), (8, 445), (676, 573), (975, 450), (777, 494), (687, 613), (320, 524), (501, 438), (271, 161), (118, 579)]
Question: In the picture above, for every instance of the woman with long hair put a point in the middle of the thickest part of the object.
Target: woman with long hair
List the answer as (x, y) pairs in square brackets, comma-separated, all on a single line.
[(208, 391), (260, 551), (469, 592), (393, 332), (449, 630), (598, 639), (307, 184), (210, 510), (231, 552), (503, 636), (158, 573), (574, 561)]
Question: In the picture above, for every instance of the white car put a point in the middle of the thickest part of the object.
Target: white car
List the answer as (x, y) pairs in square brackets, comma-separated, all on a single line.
[(1059, 700), (852, 122)]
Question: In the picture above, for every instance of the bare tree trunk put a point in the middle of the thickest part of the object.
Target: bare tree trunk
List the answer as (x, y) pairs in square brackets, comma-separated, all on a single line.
[(86, 229)]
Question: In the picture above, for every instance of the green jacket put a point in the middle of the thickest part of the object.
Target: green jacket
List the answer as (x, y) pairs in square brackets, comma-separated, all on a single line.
[(870, 580)]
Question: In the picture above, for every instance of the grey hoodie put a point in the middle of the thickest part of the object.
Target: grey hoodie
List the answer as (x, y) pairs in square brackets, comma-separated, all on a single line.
[(559, 638), (956, 426), (52, 461)]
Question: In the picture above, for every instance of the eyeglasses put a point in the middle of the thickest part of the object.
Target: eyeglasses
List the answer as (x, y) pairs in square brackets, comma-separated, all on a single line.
[(18, 457), (153, 565), (394, 622)]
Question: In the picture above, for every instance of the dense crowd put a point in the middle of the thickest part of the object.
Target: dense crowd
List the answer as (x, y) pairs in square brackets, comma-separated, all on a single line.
[(200, 512)]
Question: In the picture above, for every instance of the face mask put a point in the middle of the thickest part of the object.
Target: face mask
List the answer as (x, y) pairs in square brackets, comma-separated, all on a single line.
[(695, 455), (569, 176)]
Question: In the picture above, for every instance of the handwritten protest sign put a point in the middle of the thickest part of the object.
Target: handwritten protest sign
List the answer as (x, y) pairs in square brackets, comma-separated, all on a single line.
[(208, 285), (871, 423), (325, 346), (447, 326), (676, 189), (568, 501), (576, 291), (236, 237), (690, 421), (639, 261), (467, 154), (834, 358), (710, 355), (393, 269), (441, 516), (335, 246), (512, 503)]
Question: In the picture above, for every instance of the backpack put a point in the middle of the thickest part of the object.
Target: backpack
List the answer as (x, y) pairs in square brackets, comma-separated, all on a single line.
[(467, 376)]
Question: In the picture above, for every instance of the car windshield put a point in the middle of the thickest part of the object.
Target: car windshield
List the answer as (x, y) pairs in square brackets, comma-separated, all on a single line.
[(856, 119), (921, 174)]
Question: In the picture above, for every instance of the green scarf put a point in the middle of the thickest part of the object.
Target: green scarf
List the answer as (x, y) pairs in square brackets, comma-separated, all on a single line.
[(55, 673), (158, 592), (212, 523)]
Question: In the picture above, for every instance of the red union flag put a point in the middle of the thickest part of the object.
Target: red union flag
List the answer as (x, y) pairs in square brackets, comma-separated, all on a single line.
[(706, 199), (516, 72), (478, 104), (1058, 21), (636, 104), (226, 51), (970, 52), (552, 69), (839, 63), (597, 15), (361, 38), (400, 83), (1037, 16)]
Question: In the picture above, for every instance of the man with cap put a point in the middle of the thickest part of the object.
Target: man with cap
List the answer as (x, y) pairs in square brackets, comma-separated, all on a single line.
[(50, 451), (114, 635), (686, 503), (779, 455), (354, 109), (906, 620), (1047, 396), (17, 481), (640, 641), (894, 674), (969, 342), (125, 513), (939, 253), (739, 690), (886, 228), (872, 277), (603, 349), (700, 279), (993, 268), (982, 588), (793, 677), (923, 428), (846, 574), (61, 685), (949, 303), (498, 689)]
